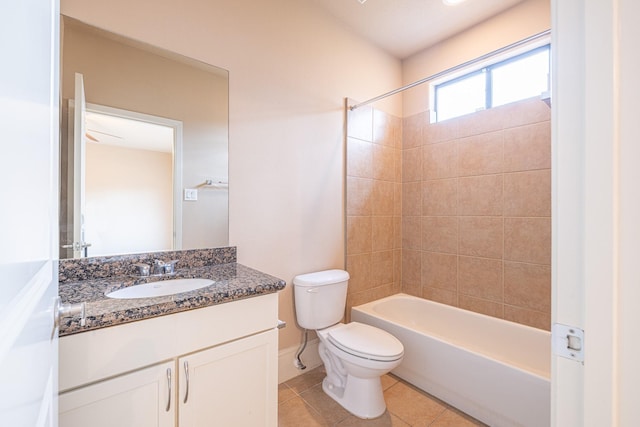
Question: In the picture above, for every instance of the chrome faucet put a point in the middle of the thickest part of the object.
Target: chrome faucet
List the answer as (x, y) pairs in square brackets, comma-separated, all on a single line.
[(160, 267)]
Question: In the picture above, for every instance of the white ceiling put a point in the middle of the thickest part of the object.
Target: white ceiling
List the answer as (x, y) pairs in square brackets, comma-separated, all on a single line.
[(405, 27), (106, 129)]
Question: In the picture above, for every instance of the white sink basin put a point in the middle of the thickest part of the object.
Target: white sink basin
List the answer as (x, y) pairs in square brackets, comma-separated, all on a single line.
[(160, 288)]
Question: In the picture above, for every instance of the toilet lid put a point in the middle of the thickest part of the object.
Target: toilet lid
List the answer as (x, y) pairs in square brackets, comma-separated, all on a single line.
[(366, 341)]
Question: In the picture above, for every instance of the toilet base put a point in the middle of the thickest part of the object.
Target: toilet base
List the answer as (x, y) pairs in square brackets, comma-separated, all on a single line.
[(361, 396)]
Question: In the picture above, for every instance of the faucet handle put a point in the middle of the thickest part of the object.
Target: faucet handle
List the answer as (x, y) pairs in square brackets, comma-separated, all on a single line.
[(169, 266), (142, 269)]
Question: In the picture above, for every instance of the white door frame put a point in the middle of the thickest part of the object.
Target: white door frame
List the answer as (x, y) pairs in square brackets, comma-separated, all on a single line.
[(177, 156), (596, 176)]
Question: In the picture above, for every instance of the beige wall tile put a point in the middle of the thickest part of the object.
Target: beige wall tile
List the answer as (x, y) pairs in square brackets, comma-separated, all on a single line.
[(358, 234), (382, 233), (411, 271), (481, 236), (528, 240), (481, 154), (532, 110), (363, 297), (439, 132), (381, 268), (480, 277), (412, 198), (384, 162), (440, 234), (528, 286), (439, 197), (479, 122), (397, 232), (412, 130), (440, 295), (532, 318), (397, 156), (359, 158), (412, 232), (440, 160), (359, 196), (440, 271), (527, 147), (480, 195), (412, 164), (359, 268), (397, 198), (397, 268), (383, 198), (387, 129), (527, 193), (490, 308), (360, 123)]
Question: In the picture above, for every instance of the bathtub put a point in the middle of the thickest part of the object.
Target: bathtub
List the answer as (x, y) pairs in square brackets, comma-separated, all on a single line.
[(494, 370)]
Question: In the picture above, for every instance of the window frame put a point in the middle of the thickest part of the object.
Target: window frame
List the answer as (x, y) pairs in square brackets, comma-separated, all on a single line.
[(487, 69)]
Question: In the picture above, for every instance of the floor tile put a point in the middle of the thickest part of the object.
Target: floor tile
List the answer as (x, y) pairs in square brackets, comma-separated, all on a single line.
[(296, 413), (331, 410), (285, 393), (411, 405), (307, 380), (451, 418), (303, 403), (386, 420)]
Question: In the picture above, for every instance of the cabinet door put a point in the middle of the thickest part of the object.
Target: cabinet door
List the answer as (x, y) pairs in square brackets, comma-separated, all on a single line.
[(143, 398), (233, 384)]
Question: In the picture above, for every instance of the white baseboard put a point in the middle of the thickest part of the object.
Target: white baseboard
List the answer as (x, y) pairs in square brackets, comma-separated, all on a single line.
[(310, 357)]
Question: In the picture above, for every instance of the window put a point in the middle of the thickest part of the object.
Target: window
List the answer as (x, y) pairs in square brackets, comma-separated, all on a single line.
[(513, 79)]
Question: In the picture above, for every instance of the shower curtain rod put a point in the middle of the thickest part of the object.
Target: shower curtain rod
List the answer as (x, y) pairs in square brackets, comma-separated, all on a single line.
[(454, 68)]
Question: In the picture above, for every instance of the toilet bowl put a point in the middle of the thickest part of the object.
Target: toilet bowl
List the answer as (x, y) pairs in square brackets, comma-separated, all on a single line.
[(355, 355)]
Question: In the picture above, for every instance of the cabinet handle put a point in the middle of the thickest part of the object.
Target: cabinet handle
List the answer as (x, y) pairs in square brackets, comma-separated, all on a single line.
[(169, 386), (186, 377)]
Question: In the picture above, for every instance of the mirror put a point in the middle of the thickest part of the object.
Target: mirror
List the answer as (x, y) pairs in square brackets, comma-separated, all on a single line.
[(122, 189)]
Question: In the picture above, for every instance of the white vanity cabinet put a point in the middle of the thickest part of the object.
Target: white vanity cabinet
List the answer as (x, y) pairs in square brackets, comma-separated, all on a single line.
[(205, 367)]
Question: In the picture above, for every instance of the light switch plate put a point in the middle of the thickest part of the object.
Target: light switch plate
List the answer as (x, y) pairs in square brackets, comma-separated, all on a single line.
[(190, 194)]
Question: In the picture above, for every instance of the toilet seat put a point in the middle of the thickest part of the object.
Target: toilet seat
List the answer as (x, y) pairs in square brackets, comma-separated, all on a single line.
[(366, 342)]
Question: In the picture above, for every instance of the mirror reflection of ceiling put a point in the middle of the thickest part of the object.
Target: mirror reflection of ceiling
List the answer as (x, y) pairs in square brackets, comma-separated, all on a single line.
[(405, 27), (122, 132)]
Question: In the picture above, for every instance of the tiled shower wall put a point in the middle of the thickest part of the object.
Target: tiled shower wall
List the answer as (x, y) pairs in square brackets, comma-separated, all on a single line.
[(374, 189), (477, 211), (458, 212)]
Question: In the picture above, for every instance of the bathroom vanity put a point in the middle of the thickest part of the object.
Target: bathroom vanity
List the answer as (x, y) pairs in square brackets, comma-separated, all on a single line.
[(203, 357)]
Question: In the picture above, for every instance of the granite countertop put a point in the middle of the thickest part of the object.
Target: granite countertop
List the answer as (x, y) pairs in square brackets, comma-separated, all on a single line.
[(232, 282)]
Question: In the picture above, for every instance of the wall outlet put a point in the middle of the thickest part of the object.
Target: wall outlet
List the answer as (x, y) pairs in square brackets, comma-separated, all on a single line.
[(190, 194)]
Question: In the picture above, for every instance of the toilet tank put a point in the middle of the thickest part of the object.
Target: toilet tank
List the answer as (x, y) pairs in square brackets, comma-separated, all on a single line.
[(320, 298)]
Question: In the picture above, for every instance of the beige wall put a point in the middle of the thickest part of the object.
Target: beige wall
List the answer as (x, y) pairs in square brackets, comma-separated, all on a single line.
[(523, 20), (127, 187), (290, 67)]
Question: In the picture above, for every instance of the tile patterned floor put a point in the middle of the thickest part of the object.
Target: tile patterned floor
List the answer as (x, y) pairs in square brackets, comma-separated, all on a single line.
[(302, 403)]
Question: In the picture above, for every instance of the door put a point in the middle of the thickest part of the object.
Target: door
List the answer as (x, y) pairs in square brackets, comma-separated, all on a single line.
[(234, 384), (29, 46), (79, 246), (596, 209), (143, 398)]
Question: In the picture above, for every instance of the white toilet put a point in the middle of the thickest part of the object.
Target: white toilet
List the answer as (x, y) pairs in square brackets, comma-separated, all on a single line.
[(355, 355)]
